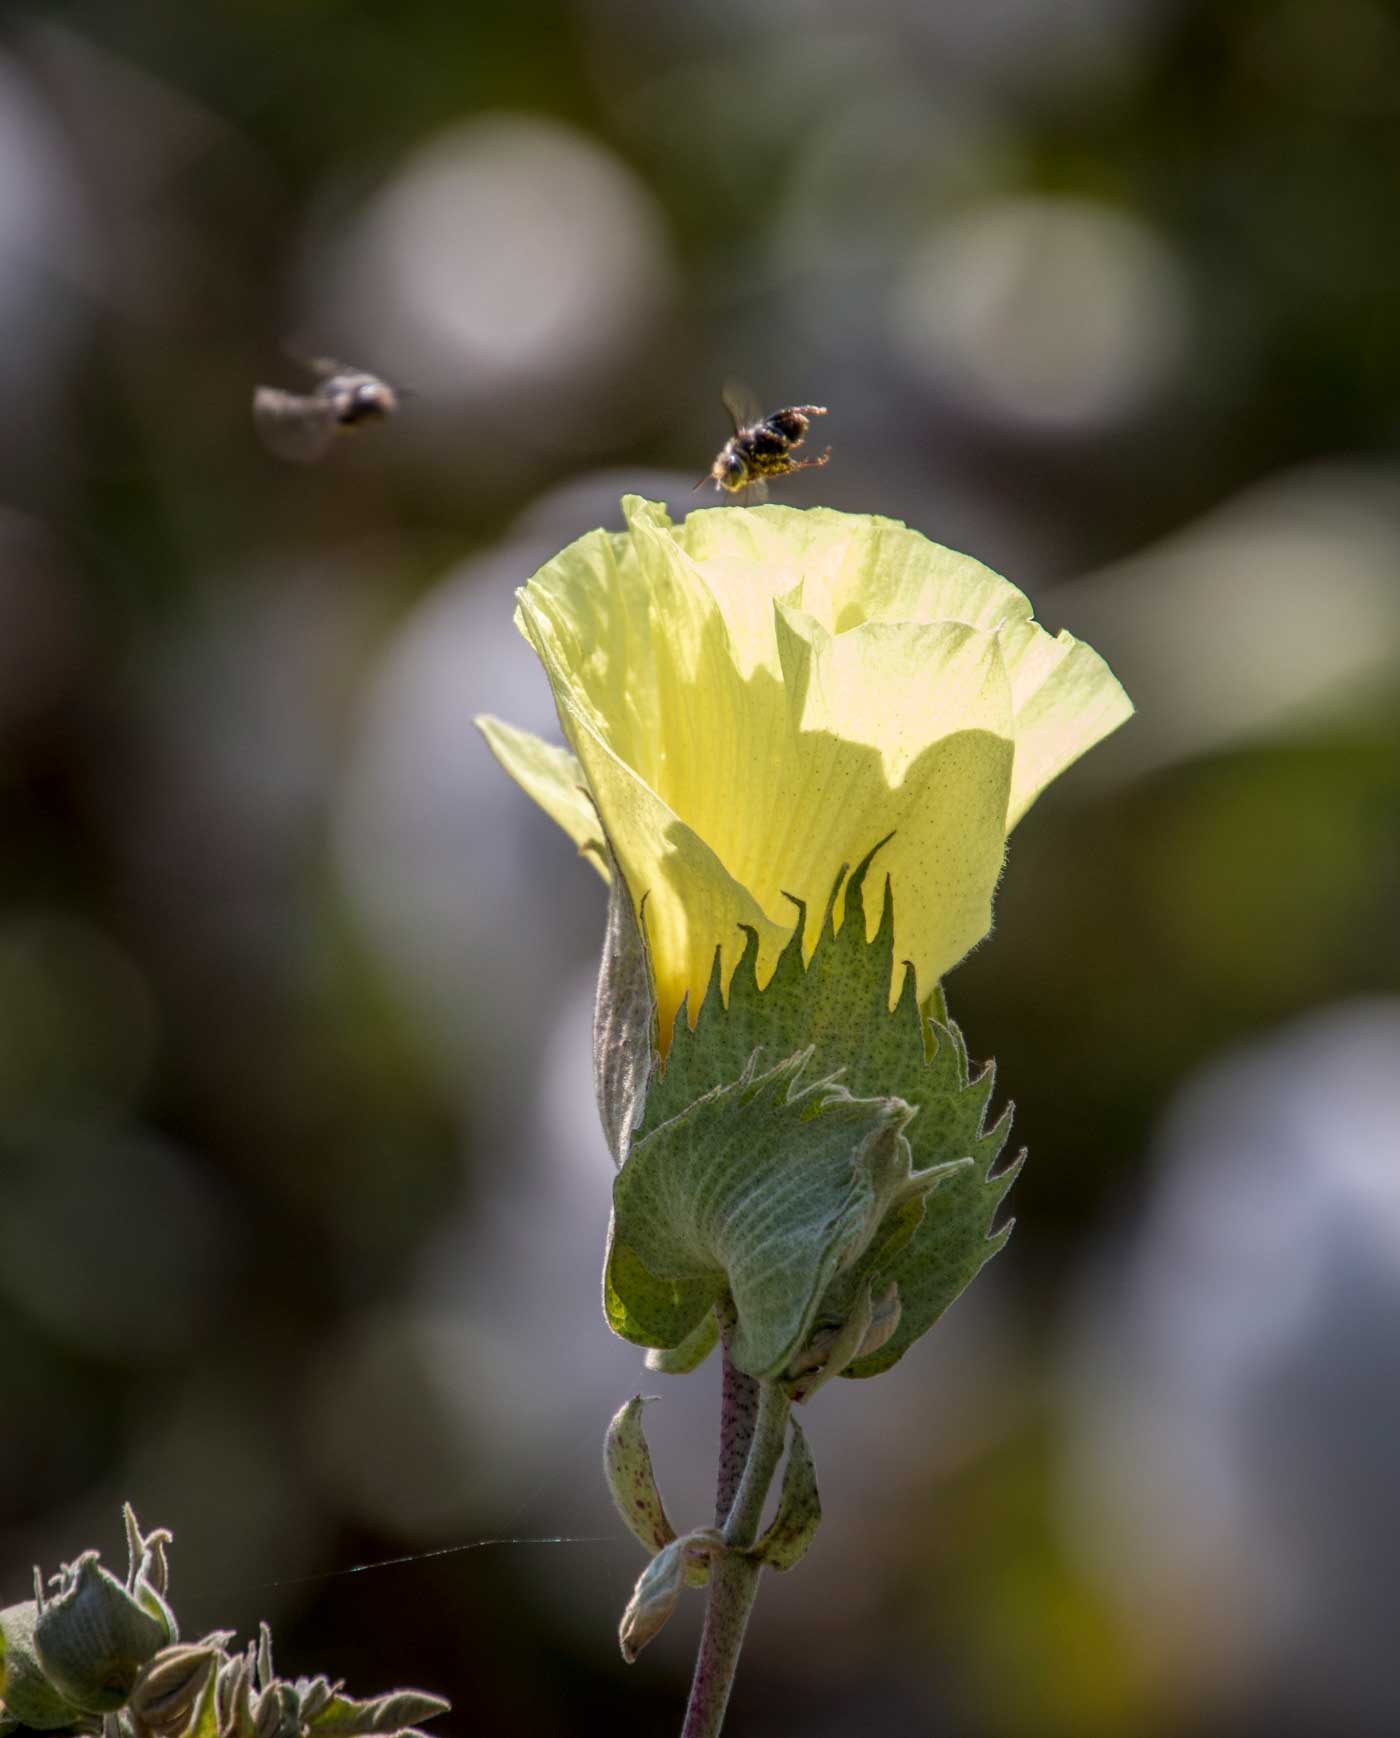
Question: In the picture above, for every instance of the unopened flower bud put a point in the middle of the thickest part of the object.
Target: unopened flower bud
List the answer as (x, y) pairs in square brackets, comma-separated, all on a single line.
[(93, 1638), (277, 1712), (166, 1692), (314, 1696), (27, 1697)]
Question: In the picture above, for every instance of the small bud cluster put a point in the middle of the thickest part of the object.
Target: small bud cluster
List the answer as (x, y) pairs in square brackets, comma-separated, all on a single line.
[(685, 1560), (204, 1691), (95, 1656)]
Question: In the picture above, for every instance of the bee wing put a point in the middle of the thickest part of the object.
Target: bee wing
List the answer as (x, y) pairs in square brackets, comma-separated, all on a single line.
[(292, 426), (327, 369), (744, 409), (755, 492), (323, 367)]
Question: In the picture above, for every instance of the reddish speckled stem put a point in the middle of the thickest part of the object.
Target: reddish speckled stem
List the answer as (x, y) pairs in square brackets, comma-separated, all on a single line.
[(737, 1416), (753, 1430)]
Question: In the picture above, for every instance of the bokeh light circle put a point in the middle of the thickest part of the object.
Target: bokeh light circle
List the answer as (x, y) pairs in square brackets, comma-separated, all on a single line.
[(1058, 313)]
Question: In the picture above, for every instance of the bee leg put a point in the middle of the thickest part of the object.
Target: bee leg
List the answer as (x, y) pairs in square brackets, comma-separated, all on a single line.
[(810, 464)]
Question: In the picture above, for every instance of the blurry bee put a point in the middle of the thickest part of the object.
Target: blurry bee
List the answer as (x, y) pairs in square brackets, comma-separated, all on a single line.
[(761, 447), (301, 426)]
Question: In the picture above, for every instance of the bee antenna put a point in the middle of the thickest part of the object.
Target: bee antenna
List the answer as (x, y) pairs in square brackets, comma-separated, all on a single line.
[(701, 484)]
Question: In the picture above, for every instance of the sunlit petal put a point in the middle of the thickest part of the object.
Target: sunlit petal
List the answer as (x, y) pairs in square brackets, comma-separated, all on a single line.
[(757, 697), (554, 778), (1066, 699)]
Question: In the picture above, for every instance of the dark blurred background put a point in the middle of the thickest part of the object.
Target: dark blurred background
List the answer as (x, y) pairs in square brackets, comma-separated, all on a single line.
[(303, 1200)]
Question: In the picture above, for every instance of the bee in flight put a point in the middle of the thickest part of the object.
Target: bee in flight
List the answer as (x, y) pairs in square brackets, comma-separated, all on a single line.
[(302, 426), (761, 447)]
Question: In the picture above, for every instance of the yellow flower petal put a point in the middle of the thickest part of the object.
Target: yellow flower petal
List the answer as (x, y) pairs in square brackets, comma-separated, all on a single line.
[(693, 904), (756, 697), (905, 730), (554, 778), (1066, 699)]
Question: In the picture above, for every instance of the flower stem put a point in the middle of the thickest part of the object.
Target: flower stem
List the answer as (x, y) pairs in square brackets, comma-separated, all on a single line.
[(733, 1578), (738, 1415)]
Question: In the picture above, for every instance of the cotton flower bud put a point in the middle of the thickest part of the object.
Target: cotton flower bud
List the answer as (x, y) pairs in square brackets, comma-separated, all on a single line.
[(277, 1712), (166, 1692), (93, 1638), (26, 1696)]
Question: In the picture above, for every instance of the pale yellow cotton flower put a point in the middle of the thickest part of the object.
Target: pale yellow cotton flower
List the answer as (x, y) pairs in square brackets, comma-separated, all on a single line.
[(755, 697)]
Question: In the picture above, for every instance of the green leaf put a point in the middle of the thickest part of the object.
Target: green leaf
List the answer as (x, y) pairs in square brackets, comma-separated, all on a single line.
[(396, 1712), (788, 1538), (647, 1310), (830, 1349), (148, 1572), (761, 1188), (631, 1478), (690, 1354), (838, 1004), (659, 1587), (266, 1676), (315, 1695)]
